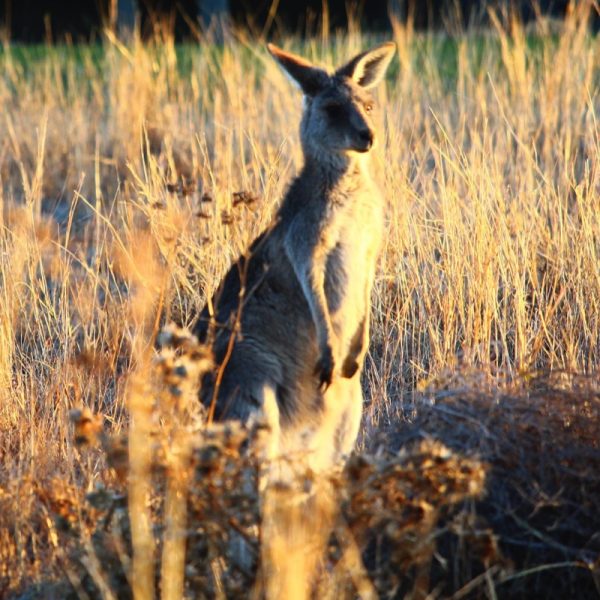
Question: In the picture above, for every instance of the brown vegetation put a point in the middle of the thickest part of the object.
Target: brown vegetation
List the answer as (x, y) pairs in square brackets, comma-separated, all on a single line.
[(120, 211)]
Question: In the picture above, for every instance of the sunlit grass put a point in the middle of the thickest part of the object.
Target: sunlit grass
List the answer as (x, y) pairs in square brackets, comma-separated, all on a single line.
[(118, 169)]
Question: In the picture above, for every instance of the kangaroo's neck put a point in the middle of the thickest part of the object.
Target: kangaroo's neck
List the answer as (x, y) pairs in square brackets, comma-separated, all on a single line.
[(334, 171)]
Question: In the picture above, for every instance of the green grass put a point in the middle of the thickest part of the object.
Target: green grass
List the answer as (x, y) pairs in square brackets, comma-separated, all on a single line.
[(439, 50)]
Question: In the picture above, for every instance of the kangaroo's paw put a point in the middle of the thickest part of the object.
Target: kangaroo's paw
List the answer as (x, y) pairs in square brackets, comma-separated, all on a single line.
[(349, 367), (324, 369)]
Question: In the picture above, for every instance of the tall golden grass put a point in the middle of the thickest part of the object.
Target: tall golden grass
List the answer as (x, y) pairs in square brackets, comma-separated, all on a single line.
[(120, 210)]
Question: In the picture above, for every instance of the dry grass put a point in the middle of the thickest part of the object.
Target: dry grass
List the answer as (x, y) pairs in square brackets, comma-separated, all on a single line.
[(120, 210)]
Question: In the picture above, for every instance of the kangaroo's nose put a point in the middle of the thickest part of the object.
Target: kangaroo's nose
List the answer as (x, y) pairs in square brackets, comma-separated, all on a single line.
[(366, 136)]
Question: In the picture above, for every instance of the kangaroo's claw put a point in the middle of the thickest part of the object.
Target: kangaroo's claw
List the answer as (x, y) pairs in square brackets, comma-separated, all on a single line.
[(324, 369)]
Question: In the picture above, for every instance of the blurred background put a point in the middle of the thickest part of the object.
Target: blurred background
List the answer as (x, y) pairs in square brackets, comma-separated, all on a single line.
[(83, 20)]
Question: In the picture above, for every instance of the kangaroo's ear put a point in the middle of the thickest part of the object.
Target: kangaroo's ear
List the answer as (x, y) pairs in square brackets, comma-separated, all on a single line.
[(310, 78), (367, 69)]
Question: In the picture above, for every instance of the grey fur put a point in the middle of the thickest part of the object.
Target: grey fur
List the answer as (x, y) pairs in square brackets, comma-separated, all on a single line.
[(302, 331)]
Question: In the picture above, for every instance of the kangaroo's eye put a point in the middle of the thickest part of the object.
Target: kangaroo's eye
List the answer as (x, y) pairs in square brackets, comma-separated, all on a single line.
[(333, 110), (369, 107)]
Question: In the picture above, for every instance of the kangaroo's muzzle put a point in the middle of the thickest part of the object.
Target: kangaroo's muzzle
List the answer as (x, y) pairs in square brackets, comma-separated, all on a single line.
[(364, 140)]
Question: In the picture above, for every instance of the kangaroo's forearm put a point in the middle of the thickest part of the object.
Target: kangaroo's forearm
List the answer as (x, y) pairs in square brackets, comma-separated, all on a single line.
[(359, 342), (312, 282), (360, 339), (309, 267)]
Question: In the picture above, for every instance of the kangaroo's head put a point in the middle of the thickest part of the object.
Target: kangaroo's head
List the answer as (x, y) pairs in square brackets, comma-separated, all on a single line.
[(337, 117)]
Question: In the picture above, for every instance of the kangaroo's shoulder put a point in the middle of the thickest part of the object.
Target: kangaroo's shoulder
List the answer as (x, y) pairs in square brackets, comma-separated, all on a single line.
[(304, 196)]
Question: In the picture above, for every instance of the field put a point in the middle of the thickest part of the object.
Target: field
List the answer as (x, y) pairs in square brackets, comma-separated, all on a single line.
[(132, 174)]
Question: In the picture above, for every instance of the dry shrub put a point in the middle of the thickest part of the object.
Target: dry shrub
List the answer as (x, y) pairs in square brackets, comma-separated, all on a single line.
[(540, 440), (471, 492), (220, 521), (392, 501)]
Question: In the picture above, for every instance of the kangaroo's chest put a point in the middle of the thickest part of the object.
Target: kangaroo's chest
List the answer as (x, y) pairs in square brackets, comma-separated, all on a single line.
[(351, 259)]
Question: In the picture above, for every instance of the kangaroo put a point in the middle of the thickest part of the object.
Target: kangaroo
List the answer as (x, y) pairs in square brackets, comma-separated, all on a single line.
[(290, 324)]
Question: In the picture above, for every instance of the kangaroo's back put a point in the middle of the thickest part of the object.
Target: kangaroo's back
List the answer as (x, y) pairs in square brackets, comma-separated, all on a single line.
[(291, 318)]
